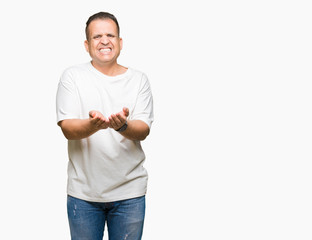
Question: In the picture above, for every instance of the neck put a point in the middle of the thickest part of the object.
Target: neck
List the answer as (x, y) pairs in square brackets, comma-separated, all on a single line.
[(110, 69)]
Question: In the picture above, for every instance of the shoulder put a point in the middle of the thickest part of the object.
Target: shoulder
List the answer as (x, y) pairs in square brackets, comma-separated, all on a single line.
[(138, 75), (76, 68), (141, 80), (136, 72), (73, 72)]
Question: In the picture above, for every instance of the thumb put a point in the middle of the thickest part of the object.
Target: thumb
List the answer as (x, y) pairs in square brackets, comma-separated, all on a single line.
[(92, 114), (126, 111)]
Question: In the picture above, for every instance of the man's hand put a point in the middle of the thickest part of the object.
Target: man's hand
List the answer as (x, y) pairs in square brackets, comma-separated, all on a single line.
[(98, 120), (117, 120), (137, 130), (75, 129)]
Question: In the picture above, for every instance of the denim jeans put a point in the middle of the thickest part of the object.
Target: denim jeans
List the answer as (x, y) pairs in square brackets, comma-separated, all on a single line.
[(124, 219)]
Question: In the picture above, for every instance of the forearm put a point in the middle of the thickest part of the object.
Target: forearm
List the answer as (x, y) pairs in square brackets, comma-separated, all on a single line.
[(75, 129), (137, 130)]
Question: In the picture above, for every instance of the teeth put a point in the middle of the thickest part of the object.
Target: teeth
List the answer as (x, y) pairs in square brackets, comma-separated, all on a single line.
[(105, 50)]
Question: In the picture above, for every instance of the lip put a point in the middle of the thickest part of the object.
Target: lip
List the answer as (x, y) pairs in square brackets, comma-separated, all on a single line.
[(106, 50), (101, 48)]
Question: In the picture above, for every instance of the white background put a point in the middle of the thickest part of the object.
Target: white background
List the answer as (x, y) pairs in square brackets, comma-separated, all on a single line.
[(229, 155)]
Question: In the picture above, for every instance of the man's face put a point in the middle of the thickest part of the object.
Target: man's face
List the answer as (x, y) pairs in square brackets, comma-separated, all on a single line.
[(104, 44)]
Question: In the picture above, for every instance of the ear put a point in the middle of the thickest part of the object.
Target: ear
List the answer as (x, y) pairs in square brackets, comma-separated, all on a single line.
[(120, 43), (86, 44)]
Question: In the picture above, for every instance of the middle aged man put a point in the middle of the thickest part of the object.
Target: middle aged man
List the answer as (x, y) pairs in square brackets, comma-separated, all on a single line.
[(105, 110)]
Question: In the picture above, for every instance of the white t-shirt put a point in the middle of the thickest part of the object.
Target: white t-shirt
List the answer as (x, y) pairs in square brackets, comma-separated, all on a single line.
[(106, 166)]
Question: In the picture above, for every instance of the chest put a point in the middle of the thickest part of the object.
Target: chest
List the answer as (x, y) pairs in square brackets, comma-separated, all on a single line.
[(107, 97)]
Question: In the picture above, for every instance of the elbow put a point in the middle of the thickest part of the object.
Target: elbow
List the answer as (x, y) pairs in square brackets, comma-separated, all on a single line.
[(138, 136), (144, 135), (71, 135), (142, 138), (68, 136), (68, 133)]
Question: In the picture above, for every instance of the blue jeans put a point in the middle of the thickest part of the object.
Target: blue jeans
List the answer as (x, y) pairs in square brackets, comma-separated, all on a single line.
[(124, 219)]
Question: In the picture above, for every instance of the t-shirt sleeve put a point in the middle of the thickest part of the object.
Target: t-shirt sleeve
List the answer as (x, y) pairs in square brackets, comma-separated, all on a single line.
[(143, 109), (67, 101)]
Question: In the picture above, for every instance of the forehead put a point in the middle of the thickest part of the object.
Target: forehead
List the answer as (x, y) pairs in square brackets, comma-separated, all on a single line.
[(102, 26)]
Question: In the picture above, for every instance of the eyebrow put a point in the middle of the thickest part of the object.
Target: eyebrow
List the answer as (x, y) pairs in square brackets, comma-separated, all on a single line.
[(101, 34)]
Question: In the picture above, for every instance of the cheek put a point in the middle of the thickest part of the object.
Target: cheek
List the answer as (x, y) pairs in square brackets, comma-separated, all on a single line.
[(92, 46)]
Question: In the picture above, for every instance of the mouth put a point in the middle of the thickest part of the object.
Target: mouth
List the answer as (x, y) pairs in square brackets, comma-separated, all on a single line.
[(105, 50)]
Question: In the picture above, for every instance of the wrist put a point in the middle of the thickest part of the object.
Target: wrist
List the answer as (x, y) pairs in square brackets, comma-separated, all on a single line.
[(123, 127)]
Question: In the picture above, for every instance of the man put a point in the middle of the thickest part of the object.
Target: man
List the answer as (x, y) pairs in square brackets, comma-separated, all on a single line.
[(105, 110)]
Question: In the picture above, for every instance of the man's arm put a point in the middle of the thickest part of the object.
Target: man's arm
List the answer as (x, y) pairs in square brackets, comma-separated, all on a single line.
[(137, 130), (75, 129)]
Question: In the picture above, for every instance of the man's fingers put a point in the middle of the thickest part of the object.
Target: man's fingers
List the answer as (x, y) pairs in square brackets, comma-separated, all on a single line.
[(104, 124), (120, 118), (117, 120), (126, 111), (113, 119), (96, 114), (98, 120), (92, 114)]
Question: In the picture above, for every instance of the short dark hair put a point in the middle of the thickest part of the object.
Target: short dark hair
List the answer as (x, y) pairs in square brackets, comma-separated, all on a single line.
[(101, 15)]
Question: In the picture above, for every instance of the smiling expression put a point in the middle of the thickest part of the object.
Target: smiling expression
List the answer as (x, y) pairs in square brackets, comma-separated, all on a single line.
[(103, 44)]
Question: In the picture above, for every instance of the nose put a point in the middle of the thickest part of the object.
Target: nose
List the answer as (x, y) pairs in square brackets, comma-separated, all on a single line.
[(104, 40)]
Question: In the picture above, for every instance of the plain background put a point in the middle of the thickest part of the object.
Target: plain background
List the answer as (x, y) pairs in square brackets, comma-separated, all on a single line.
[(229, 155)]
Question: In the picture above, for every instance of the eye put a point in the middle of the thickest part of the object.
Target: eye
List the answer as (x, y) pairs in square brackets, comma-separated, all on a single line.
[(97, 37), (110, 35)]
